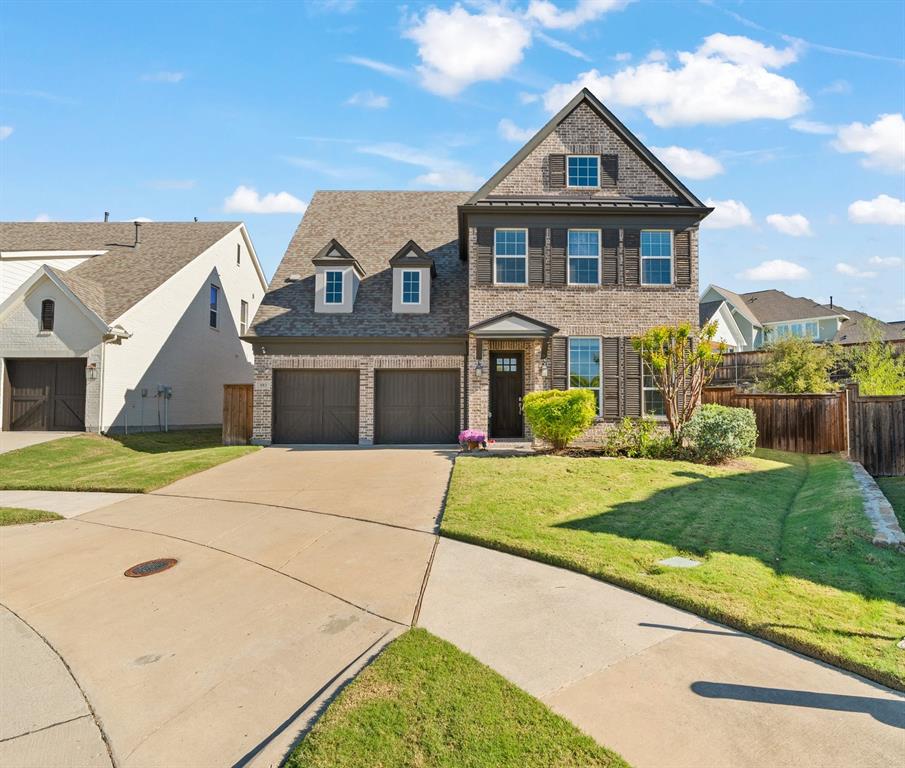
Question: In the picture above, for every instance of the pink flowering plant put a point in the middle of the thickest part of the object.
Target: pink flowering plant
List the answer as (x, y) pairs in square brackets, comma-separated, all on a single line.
[(471, 438)]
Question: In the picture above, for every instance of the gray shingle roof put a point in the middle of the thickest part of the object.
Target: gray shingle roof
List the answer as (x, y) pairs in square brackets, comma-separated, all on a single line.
[(738, 303), (772, 306), (372, 226), (707, 310), (857, 328), (112, 283)]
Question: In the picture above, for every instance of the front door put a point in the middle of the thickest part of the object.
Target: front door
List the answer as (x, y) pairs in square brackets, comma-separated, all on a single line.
[(507, 387)]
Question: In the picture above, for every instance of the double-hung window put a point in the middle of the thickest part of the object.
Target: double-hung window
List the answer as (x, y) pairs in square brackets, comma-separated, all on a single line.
[(583, 170), (584, 256), (215, 306), (411, 286), (510, 256), (651, 395), (656, 257), (243, 317), (333, 287), (584, 365)]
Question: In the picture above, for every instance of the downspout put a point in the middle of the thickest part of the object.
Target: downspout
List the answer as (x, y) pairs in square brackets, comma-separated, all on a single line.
[(100, 406)]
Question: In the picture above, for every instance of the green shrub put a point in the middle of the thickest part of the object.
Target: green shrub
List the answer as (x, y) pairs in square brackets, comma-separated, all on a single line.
[(560, 416), (630, 437), (717, 433), (875, 365), (798, 365)]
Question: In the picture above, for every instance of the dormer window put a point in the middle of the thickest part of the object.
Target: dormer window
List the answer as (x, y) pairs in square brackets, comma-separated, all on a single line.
[(333, 287), (337, 277), (583, 171), (411, 286), (47, 309), (413, 270)]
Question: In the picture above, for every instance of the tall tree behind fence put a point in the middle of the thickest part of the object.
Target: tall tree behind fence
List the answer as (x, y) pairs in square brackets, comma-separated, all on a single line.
[(237, 413), (877, 432)]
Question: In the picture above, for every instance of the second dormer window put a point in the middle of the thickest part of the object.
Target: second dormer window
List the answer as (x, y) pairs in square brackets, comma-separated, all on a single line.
[(333, 289), (583, 170), (411, 287)]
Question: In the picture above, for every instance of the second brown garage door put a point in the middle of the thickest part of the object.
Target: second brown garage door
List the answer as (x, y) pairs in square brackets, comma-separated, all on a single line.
[(315, 406), (416, 406)]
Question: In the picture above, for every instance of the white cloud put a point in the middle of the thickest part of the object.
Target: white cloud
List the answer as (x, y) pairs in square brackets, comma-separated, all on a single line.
[(549, 15), (725, 81), (376, 66), (849, 271), (775, 269), (528, 98), (728, 214), (882, 142), (511, 132), (6, 131), (811, 126), (441, 173), (794, 225), (883, 209), (164, 77), (837, 86), (690, 163), (559, 45), (247, 200), (621, 57), (368, 100), (141, 219), (458, 48), (42, 217), (886, 261)]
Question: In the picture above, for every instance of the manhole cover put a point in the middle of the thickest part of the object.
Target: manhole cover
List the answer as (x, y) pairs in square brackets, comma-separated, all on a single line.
[(150, 567)]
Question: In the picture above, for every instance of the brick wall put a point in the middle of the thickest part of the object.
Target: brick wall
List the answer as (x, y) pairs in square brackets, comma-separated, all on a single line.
[(364, 364)]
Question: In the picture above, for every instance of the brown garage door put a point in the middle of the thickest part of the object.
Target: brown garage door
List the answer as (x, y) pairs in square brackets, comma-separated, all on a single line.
[(47, 394), (315, 406), (416, 406)]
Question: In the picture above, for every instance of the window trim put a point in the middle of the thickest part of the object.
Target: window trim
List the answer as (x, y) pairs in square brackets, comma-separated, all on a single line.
[(342, 287), (214, 307), (599, 341), (243, 317), (504, 256), (583, 186), (569, 256), (416, 273), (672, 258)]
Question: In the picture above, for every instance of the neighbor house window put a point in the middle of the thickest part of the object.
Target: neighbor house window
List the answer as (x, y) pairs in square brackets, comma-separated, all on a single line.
[(510, 255), (238, 254), (411, 287), (652, 397), (584, 170), (584, 256), (333, 287), (215, 305), (799, 330), (584, 365), (656, 256), (243, 317), (47, 307)]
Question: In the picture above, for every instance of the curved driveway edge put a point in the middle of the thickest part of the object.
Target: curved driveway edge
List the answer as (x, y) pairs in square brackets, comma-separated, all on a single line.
[(660, 686)]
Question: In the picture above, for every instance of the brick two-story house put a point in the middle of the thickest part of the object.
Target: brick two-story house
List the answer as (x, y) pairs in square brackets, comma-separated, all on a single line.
[(402, 317)]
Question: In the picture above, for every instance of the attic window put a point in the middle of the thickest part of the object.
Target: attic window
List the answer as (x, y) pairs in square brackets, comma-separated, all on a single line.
[(47, 307), (333, 289), (238, 254), (583, 170)]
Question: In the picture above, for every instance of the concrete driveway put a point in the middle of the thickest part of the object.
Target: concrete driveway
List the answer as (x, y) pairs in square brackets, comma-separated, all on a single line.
[(12, 441), (295, 567)]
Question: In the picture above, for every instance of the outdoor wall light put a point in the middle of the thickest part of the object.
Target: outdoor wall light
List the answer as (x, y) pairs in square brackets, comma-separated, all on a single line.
[(478, 369), (543, 369), (91, 371)]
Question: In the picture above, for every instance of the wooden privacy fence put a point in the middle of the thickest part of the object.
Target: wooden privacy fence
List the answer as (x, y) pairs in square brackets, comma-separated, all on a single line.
[(800, 423), (877, 432), (237, 413)]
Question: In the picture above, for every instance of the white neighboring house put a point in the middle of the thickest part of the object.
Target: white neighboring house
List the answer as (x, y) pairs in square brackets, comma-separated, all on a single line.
[(737, 326), (114, 326)]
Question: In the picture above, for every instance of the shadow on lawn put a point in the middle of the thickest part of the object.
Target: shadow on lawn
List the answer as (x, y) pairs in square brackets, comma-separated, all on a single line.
[(170, 442), (763, 514)]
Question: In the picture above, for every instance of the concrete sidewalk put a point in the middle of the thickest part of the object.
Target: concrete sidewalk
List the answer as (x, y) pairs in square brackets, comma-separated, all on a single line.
[(660, 686), (65, 503)]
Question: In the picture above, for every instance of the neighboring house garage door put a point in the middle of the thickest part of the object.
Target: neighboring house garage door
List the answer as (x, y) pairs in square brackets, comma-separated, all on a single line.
[(46, 394), (315, 406), (416, 406)]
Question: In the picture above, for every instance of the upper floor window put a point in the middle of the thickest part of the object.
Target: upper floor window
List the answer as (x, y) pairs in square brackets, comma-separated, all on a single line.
[(583, 170), (411, 286), (656, 256), (238, 254), (584, 256), (215, 305), (510, 256), (47, 308), (333, 287), (800, 330), (243, 317), (584, 365)]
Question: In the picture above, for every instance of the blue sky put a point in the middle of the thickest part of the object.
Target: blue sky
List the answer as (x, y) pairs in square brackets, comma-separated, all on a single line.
[(788, 116)]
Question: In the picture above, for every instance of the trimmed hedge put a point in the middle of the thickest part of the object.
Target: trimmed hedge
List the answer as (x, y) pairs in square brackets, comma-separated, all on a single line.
[(717, 433), (559, 416)]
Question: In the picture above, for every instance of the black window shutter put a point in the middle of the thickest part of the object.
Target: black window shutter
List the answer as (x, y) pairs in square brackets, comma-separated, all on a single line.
[(682, 244), (558, 256), (609, 171), (631, 257), (612, 384), (537, 240), (559, 353), (632, 378), (557, 165), (610, 266), (484, 255), (47, 315)]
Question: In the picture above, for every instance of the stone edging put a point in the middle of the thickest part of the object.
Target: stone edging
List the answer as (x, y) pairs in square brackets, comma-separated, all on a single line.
[(887, 532)]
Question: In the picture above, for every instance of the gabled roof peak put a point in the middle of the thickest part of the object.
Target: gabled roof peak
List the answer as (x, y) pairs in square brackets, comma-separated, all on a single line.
[(334, 254), (413, 255)]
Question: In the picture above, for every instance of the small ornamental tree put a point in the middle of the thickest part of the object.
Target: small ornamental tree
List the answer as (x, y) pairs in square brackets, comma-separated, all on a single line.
[(797, 365), (559, 416), (682, 362), (875, 365)]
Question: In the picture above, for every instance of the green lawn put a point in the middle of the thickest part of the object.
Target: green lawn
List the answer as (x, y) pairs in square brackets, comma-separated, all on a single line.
[(894, 490), (128, 463), (17, 516), (424, 702), (784, 542)]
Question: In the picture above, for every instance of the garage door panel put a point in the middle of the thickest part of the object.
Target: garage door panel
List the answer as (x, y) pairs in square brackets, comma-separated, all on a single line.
[(416, 406), (315, 406)]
